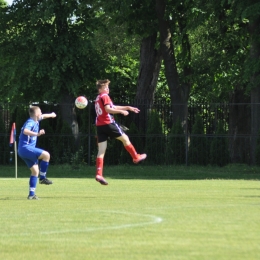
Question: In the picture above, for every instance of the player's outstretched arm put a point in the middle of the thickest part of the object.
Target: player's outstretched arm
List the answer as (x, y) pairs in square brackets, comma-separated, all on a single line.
[(129, 108), (50, 115), (115, 110)]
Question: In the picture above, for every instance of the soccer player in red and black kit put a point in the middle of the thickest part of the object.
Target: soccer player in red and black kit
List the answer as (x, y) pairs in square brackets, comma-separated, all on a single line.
[(107, 127)]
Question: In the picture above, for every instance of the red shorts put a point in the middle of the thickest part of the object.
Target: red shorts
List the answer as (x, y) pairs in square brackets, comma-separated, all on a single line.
[(112, 130)]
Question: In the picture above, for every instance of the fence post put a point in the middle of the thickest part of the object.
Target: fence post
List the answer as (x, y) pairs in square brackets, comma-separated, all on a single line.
[(186, 145), (89, 132)]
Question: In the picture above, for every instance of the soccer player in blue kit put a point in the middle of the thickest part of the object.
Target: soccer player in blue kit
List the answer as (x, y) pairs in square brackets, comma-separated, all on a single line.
[(28, 151)]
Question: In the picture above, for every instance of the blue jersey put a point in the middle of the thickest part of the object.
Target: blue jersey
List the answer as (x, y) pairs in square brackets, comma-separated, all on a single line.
[(26, 140)]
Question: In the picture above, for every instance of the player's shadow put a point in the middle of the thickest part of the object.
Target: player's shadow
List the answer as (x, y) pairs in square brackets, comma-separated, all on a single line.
[(13, 198)]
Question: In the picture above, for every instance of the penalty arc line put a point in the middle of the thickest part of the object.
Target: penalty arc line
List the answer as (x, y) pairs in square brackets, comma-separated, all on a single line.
[(155, 220)]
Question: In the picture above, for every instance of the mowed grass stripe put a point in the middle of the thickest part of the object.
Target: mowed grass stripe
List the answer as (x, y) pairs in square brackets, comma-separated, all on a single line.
[(80, 219)]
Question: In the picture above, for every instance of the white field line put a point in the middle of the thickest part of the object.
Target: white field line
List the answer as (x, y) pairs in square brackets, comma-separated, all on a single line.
[(150, 220), (153, 220)]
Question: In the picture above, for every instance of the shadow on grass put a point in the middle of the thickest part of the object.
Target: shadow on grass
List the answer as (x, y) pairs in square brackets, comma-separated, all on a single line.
[(145, 172)]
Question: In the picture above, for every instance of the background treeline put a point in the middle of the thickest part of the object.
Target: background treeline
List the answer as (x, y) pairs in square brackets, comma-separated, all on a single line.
[(177, 52)]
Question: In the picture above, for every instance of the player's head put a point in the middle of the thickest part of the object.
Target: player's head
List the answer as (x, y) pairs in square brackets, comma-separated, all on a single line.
[(102, 85), (35, 111)]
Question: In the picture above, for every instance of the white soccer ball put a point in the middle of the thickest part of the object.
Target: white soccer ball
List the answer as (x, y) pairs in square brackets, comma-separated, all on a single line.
[(81, 102)]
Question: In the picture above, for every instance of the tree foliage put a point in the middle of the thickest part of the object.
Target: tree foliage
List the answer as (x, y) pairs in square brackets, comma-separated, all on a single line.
[(55, 50), (47, 49)]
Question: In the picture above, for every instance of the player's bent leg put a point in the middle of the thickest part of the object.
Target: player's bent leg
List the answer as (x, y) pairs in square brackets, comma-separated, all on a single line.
[(130, 148), (124, 139), (44, 164), (45, 156)]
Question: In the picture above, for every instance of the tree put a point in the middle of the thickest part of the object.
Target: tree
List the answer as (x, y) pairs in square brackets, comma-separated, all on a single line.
[(139, 20), (121, 53), (179, 92), (253, 69), (48, 53), (3, 3), (220, 46)]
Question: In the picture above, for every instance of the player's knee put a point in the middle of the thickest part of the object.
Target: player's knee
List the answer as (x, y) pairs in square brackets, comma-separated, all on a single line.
[(45, 156), (125, 140)]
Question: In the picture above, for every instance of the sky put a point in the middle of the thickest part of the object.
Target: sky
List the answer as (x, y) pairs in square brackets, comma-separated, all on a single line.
[(9, 1)]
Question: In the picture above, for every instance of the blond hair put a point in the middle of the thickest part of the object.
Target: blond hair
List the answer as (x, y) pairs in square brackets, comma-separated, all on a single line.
[(102, 82), (32, 110)]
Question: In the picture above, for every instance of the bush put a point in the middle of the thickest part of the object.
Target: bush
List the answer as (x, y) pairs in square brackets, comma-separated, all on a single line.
[(4, 144), (198, 149), (155, 140), (219, 154), (257, 161), (176, 145)]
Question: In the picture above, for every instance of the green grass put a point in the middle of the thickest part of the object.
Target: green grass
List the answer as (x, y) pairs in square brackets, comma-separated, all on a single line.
[(233, 171), (144, 213)]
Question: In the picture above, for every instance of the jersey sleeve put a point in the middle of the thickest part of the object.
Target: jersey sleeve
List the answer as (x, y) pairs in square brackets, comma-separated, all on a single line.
[(106, 100), (29, 125)]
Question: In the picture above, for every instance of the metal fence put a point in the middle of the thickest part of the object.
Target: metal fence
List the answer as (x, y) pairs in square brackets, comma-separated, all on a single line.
[(159, 142)]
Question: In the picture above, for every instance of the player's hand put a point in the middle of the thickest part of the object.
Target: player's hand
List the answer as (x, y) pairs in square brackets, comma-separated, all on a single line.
[(41, 132), (125, 113), (135, 109), (53, 114)]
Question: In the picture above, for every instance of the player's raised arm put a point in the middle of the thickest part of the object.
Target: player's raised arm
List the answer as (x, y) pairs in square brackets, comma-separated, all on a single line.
[(50, 115)]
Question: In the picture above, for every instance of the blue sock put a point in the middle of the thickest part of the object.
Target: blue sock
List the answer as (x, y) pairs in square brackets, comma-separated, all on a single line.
[(32, 185), (43, 169)]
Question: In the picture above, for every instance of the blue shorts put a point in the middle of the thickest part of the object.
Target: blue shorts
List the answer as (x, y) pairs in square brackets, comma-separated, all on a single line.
[(30, 155)]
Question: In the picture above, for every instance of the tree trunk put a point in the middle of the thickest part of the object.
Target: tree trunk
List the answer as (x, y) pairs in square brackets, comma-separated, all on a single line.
[(239, 125), (150, 64), (255, 91), (179, 94)]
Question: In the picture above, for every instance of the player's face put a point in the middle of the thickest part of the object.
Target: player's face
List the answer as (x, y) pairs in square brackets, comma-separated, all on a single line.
[(38, 113), (105, 89)]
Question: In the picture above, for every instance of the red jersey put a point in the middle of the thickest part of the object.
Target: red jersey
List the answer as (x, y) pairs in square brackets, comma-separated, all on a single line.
[(103, 118)]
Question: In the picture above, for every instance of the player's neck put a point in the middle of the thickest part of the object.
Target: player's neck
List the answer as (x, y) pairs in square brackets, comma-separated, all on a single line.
[(34, 118)]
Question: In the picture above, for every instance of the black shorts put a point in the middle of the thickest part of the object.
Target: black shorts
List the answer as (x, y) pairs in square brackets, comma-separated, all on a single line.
[(112, 130)]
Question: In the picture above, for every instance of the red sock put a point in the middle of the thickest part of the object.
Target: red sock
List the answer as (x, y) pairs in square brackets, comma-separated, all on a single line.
[(130, 148), (99, 166)]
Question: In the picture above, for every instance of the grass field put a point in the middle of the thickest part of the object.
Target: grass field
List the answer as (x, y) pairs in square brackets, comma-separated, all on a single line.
[(144, 213)]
